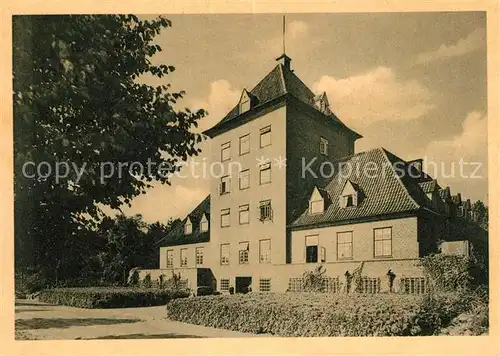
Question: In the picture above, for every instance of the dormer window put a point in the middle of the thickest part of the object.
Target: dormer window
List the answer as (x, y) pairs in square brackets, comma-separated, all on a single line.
[(204, 223), (323, 146), (321, 103), (349, 196), (245, 102), (188, 227), (316, 202)]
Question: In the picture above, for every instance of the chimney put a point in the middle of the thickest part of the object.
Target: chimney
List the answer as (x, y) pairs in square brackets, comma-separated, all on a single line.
[(284, 60)]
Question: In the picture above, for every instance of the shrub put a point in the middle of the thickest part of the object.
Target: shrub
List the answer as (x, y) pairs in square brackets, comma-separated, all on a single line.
[(134, 278), (315, 314), (314, 281), (146, 282), (109, 297), (26, 284), (204, 290), (161, 281)]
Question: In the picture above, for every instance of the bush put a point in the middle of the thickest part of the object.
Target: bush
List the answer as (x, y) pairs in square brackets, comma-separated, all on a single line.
[(204, 290), (317, 314), (146, 282), (109, 297), (134, 278), (314, 281), (29, 283)]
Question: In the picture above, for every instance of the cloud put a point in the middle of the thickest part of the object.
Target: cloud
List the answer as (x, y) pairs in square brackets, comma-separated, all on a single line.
[(473, 42), (470, 147), (297, 29), (221, 99), (376, 95)]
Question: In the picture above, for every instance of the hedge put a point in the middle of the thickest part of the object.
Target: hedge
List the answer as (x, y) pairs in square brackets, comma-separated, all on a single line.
[(109, 297), (315, 314)]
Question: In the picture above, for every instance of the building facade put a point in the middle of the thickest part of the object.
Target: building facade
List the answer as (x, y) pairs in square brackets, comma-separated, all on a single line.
[(293, 195)]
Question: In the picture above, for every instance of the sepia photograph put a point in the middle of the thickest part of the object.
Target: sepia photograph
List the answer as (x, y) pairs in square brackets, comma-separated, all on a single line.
[(250, 175)]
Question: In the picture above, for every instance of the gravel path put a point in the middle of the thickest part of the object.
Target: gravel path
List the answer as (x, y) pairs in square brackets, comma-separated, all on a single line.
[(37, 320)]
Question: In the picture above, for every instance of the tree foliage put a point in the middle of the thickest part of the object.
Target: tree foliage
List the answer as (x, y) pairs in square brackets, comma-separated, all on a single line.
[(78, 98)]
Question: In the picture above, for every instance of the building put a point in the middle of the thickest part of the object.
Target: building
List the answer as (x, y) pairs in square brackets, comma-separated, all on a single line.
[(267, 222)]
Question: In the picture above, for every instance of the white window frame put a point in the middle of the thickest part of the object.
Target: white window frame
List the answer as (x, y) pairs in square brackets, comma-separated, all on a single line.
[(244, 176), (265, 169), (265, 254), (266, 208), (170, 258), (225, 254), (264, 284), (244, 147), (224, 284), (265, 134), (225, 185), (344, 239), (243, 252), (312, 241), (184, 257), (204, 224), (314, 203), (188, 227), (244, 210), (199, 256), (225, 152), (223, 213), (323, 146), (383, 241)]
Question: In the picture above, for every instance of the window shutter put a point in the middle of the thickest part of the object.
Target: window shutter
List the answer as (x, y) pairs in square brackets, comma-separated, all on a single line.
[(342, 202), (355, 199)]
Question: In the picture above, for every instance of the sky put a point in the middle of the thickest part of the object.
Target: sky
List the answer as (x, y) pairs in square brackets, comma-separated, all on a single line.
[(413, 83)]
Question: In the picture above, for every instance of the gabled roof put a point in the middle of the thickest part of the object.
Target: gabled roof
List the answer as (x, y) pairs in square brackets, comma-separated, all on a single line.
[(430, 186), (279, 82), (384, 193), (177, 236)]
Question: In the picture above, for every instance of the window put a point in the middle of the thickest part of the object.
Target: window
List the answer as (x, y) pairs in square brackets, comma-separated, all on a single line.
[(204, 223), (244, 214), (224, 285), (184, 257), (244, 144), (188, 227), (245, 101), (265, 136), (265, 173), (265, 251), (225, 185), (264, 285), (199, 256), (323, 146), (266, 212), (225, 217), (225, 151), (244, 179), (350, 195), (316, 207), (224, 254), (383, 242), (170, 258), (243, 252), (322, 254), (460, 211), (316, 202), (344, 245), (349, 200), (312, 248)]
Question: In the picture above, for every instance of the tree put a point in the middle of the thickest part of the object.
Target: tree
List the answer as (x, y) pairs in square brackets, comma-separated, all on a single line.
[(481, 214), (78, 99)]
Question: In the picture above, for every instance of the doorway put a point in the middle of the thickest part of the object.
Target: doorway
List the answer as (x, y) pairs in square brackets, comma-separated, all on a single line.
[(242, 284)]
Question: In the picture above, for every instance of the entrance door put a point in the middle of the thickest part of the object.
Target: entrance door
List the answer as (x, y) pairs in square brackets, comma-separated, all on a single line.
[(242, 284)]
